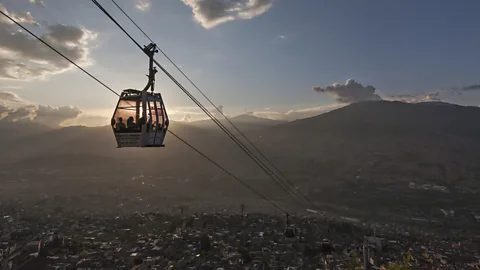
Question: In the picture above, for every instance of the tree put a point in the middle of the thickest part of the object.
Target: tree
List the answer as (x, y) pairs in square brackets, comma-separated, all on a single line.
[(355, 262), (405, 265), (399, 266)]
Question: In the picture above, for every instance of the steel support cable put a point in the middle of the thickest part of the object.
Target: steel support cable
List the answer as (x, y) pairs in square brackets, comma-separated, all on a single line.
[(171, 132), (216, 121), (230, 135), (295, 190)]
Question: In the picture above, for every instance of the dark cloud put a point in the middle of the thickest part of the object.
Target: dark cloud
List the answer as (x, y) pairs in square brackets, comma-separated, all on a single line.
[(220, 108), (471, 87), (350, 92), (216, 113), (14, 109), (24, 57), (55, 116), (47, 115), (210, 13)]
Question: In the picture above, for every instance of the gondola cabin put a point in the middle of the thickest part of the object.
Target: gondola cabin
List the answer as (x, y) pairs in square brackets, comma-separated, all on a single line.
[(140, 119), (289, 231)]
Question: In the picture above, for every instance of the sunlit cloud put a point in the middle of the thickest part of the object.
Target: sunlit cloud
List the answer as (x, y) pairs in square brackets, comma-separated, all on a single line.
[(9, 97), (191, 114), (296, 114), (433, 96), (23, 57), (350, 92), (143, 5), (38, 3), (210, 13), (16, 109)]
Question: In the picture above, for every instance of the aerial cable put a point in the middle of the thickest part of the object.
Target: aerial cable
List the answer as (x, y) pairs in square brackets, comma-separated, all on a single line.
[(238, 142), (208, 99), (61, 54), (229, 134), (227, 172), (175, 135)]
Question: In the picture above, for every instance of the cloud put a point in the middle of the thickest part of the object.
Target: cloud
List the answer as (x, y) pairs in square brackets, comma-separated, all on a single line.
[(220, 108), (55, 116), (23, 111), (8, 97), (216, 112), (143, 5), (192, 114), (210, 13), (292, 115), (282, 37), (87, 120), (47, 115), (471, 87), (350, 92), (24, 58), (38, 3), (21, 17), (187, 118), (401, 96), (429, 97)]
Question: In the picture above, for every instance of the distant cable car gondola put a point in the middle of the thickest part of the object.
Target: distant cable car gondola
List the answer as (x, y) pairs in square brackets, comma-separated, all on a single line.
[(140, 118), (289, 229), (289, 232)]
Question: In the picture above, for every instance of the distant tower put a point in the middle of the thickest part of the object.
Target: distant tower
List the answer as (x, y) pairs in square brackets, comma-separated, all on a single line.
[(242, 209)]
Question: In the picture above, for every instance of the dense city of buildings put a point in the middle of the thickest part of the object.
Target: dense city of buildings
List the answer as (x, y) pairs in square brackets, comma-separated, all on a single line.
[(224, 241)]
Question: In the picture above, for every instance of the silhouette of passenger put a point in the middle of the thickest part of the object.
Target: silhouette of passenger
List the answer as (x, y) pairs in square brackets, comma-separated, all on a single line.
[(120, 124), (131, 124)]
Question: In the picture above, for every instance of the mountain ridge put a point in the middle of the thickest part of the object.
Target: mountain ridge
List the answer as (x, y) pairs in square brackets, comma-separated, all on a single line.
[(383, 139)]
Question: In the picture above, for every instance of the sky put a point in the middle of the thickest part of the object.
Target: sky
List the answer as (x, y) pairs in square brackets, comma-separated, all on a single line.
[(280, 59)]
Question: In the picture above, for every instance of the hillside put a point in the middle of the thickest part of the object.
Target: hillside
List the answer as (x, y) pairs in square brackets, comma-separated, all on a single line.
[(346, 157), (244, 122), (384, 141)]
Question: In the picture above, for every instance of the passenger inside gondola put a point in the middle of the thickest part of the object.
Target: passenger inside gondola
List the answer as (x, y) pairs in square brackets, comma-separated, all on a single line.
[(131, 124), (120, 125), (132, 115)]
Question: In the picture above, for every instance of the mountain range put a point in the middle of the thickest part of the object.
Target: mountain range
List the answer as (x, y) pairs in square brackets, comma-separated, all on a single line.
[(383, 142), (402, 133)]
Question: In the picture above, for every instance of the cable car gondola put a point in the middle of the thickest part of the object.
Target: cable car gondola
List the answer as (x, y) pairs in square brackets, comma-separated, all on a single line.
[(140, 118), (289, 229)]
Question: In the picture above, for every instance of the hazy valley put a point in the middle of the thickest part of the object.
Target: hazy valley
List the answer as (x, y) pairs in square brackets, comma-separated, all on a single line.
[(351, 160)]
